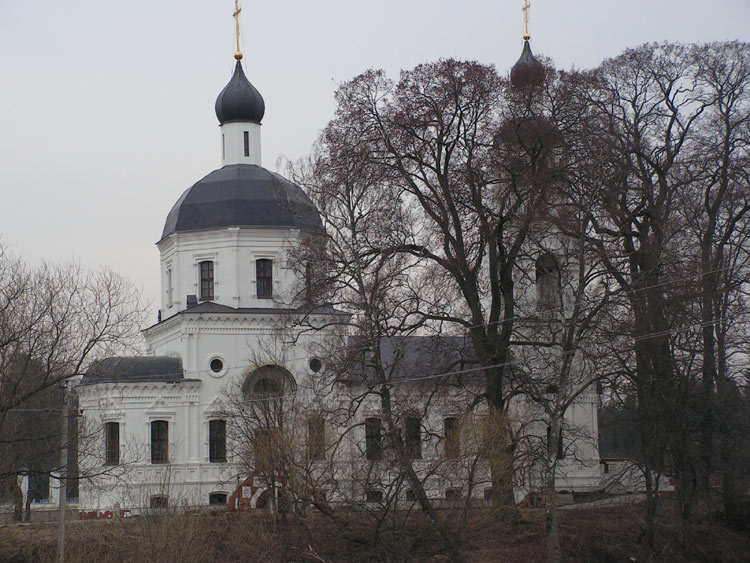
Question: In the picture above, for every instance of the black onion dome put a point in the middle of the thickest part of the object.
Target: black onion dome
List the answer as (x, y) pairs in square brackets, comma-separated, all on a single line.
[(527, 71), (239, 100), (242, 195)]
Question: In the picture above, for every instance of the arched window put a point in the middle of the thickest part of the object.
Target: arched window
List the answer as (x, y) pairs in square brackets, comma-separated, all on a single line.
[(268, 382), (266, 389), (547, 282)]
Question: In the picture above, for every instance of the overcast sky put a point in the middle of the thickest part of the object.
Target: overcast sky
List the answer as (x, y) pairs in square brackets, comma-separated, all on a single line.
[(106, 108)]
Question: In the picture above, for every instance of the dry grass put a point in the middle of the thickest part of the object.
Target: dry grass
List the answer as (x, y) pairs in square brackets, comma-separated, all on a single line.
[(596, 535)]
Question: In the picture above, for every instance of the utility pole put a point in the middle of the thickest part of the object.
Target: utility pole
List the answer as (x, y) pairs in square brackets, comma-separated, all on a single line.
[(63, 490)]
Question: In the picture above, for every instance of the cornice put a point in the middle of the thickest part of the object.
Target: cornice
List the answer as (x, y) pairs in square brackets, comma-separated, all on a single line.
[(178, 389), (161, 328)]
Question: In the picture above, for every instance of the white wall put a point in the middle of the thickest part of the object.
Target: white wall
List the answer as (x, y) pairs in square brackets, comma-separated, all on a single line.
[(234, 251)]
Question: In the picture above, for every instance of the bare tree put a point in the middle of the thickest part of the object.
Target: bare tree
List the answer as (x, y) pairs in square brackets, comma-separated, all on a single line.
[(717, 210), (474, 163), (668, 150), (356, 267), (560, 350), (54, 321)]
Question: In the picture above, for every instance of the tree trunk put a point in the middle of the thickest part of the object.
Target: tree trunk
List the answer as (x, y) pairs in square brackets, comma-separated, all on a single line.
[(499, 444), (552, 526)]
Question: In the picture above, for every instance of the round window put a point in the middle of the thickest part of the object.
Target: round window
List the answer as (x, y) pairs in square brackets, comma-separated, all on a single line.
[(315, 365), (216, 365)]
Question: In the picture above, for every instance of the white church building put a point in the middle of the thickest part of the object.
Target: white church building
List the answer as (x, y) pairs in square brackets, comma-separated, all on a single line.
[(155, 430)]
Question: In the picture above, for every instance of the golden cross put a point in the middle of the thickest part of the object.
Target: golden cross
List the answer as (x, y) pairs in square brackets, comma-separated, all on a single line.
[(526, 7), (236, 16)]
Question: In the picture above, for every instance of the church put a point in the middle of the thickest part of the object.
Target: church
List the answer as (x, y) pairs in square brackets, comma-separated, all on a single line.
[(169, 429)]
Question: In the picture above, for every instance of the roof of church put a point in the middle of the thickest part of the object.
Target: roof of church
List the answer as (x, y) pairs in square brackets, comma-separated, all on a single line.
[(242, 195), (207, 307), (137, 369), (239, 100), (527, 71), (212, 307), (416, 357)]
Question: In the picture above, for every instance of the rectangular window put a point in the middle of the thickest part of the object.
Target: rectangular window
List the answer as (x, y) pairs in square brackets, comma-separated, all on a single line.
[(217, 441), (39, 488), (159, 501), (264, 278), (169, 287), (267, 449), (374, 495), (159, 441), (453, 494), (207, 279), (112, 443), (246, 137), (373, 438), (316, 437), (308, 284), (413, 442), (223, 149), (452, 438), (560, 451), (217, 499)]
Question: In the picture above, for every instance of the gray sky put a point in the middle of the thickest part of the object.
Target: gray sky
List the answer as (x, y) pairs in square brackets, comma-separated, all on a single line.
[(106, 108)]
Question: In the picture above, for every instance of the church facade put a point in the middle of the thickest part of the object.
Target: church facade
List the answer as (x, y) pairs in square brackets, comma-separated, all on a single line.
[(162, 429)]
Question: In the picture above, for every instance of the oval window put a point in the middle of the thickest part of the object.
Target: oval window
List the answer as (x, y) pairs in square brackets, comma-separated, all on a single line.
[(216, 365)]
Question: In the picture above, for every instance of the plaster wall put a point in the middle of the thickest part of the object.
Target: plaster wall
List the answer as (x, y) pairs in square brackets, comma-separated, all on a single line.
[(233, 143), (234, 252)]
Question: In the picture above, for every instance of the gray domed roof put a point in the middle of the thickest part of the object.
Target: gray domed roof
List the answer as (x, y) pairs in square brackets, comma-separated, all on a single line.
[(527, 71), (239, 100), (242, 195)]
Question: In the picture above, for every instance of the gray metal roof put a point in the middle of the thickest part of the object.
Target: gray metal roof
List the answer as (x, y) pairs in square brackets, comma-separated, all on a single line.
[(213, 307), (242, 195), (209, 307), (135, 369), (239, 100), (414, 357)]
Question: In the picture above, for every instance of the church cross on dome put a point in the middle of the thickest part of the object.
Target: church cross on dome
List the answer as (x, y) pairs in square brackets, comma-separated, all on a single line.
[(526, 6), (236, 16)]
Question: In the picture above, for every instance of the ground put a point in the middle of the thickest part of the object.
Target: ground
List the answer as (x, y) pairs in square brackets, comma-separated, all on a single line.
[(591, 534)]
